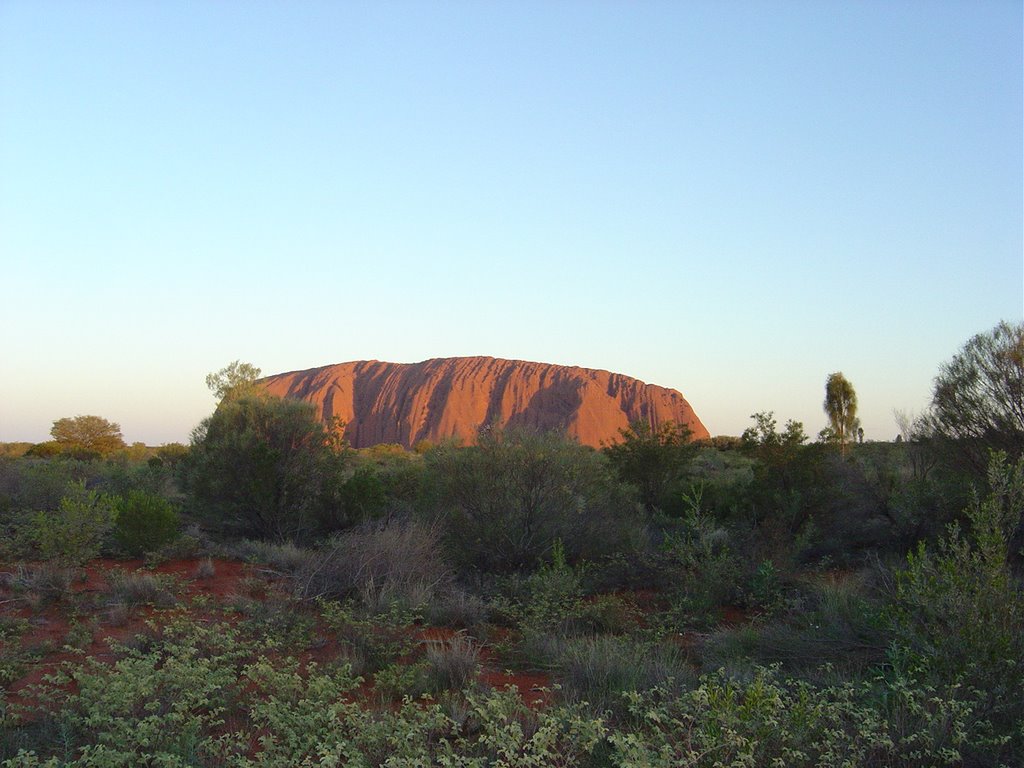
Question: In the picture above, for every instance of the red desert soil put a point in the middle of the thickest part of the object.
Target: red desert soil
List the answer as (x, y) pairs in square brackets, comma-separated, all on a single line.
[(453, 397), (49, 625)]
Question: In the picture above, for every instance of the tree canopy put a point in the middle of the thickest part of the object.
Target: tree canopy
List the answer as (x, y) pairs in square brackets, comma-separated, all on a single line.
[(978, 400), (92, 434), (234, 381), (841, 408), (263, 467), (652, 460)]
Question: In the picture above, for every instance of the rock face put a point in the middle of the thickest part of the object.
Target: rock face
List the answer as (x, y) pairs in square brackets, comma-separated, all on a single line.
[(453, 397)]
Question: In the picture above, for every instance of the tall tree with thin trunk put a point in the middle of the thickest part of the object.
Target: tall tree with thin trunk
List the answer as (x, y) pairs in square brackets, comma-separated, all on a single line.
[(841, 408)]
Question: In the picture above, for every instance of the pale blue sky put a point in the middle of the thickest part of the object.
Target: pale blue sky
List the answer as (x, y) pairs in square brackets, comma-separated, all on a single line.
[(733, 199)]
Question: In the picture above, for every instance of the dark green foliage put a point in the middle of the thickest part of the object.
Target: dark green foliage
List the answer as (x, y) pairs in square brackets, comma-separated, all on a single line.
[(507, 499), (653, 461), (33, 483), (361, 497), (263, 467), (959, 610), (978, 400), (144, 523), (699, 568)]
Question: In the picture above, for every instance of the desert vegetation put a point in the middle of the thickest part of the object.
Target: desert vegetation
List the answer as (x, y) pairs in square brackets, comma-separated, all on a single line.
[(267, 596)]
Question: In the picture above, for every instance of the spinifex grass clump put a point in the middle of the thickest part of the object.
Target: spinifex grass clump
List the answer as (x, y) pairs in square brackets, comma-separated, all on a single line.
[(600, 670), (452, 663), (138, 588)]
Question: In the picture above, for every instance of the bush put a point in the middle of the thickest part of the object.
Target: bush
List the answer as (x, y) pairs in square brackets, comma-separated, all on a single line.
[(837, 625), (75, 533), (263, 467), (285, 557), (768, 721), (959, 611), (699, 566), (507, 499), (653, 461), (373, 641), (144, 523), (399, 562), (46, 582), (549, 600)]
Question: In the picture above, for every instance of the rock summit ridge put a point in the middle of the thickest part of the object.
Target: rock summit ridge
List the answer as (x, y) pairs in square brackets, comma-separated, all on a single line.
[(448, 397)]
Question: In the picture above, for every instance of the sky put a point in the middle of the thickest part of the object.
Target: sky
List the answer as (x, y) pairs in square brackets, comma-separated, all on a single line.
[(732, 199)]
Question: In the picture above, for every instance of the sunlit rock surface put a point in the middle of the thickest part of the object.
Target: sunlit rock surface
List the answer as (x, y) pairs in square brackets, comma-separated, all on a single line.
[(453, 397)]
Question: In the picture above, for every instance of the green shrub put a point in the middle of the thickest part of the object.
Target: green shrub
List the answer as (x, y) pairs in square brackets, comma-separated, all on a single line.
[(609, 613), (144, 523), (959, 611), (262, 467), (699, 567), (151, 705), (553, 595), (75, 532), (375, 641), (13, 659), (764, 591), (768, 721), (279, 621), (508, 498)]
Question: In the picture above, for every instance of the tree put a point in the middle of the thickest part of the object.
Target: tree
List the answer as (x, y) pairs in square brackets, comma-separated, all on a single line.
[(263, 467), (652, 460), (92, 434), (774, 448), (234, 381), (778, 454), (841, 408), (978, 400)]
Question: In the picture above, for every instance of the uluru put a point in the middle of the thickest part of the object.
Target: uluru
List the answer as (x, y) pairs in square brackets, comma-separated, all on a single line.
[(444, 398)]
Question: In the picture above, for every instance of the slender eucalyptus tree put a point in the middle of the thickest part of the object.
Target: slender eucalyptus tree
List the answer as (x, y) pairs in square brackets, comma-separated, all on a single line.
[(841, 408)]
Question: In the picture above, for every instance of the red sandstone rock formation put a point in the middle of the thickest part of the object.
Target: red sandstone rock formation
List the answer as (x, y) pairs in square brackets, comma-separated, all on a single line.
[(453, 397)]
